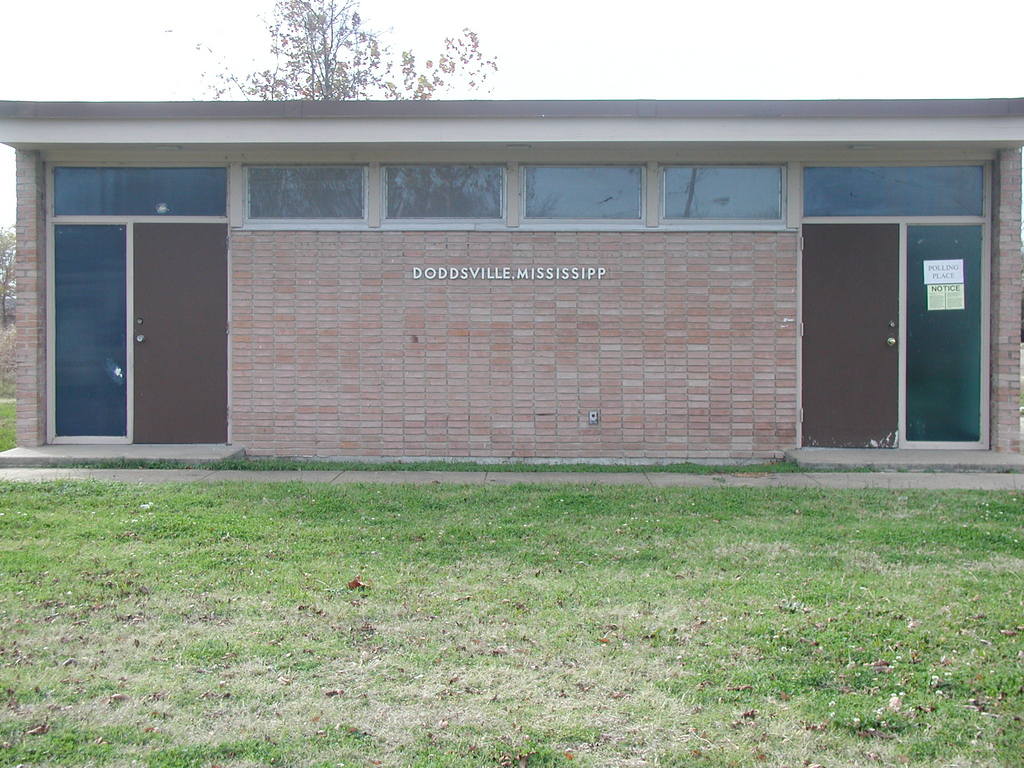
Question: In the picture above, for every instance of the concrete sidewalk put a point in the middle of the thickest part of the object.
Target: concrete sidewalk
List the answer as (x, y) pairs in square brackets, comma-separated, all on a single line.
[(987, 481), (905, 459)]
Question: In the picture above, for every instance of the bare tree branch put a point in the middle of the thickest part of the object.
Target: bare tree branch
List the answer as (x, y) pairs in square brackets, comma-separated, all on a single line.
[(323, 51), (7, 283)]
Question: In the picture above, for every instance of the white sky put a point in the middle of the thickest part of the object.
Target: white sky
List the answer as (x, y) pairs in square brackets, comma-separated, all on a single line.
[(733, 49)]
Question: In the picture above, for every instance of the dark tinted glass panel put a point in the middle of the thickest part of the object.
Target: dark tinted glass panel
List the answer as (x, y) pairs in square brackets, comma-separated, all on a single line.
[(881, 191), (582, 193), (944, 333), (444, 191), (89, 303), (306, 193), (140, 191), (723, 193)]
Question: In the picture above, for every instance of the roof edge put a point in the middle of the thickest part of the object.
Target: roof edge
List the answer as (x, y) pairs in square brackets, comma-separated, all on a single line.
[(512, 109)]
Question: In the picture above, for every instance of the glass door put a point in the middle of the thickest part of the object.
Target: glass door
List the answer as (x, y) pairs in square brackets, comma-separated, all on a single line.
[(943, 349), (90, 355)]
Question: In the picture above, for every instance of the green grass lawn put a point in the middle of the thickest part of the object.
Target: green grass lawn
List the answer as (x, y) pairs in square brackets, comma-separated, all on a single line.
[(446, 465), (186, 626), (6, 424)]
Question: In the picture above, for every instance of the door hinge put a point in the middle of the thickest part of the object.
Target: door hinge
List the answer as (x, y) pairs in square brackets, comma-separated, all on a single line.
[(801, 244), (801, 415), (801, 328)]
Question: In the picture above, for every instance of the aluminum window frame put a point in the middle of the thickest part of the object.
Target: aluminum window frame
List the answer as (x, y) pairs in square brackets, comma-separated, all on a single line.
[(562, 223), (986, 223), (651, 219), (779, 222), (984, 164), (51, 166), (408, 223), (289, 222), (53, 221)]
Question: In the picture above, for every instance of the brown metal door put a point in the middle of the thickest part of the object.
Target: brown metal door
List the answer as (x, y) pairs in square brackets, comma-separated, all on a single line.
[(179, 329), (850, 335)]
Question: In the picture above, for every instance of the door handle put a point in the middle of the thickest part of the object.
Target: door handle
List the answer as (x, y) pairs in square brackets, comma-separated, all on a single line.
[(891, 341)]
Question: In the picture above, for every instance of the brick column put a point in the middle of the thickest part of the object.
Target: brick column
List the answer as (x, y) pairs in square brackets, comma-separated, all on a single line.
[(30, 272), (1006, 298)]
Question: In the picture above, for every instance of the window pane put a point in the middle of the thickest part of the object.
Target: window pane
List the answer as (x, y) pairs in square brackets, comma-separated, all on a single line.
[(700, 192), (140, 191), (555, 192), (89, 330), (444, 191), (881, 191), (306, 192)]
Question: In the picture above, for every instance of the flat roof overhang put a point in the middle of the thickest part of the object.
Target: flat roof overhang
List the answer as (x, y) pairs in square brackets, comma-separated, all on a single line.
[(991, 123)]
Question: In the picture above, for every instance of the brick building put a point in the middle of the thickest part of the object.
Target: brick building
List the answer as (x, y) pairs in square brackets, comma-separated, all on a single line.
[(650, 281)]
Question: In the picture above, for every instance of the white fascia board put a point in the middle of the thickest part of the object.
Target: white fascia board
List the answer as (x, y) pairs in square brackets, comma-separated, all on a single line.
[(1007, 131)]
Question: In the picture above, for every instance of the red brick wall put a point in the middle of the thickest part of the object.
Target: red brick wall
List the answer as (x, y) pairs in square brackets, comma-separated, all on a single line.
[(1006, 296), (30, 272), (687, 347)]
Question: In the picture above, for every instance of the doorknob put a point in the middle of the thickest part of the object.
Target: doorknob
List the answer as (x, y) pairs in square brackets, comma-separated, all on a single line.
[(891, 341), (140, 338)]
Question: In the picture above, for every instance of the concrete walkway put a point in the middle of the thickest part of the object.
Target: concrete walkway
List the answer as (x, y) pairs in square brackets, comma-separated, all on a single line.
[(987, 481), (69, 455), (902, 459)]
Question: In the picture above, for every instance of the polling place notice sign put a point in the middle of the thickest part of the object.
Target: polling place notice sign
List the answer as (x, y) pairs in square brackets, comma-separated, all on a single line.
[(944, 284)]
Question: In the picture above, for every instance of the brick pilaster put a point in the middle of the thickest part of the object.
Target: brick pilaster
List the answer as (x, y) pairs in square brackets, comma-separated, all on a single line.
[(30, 272), (1006, 298)]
